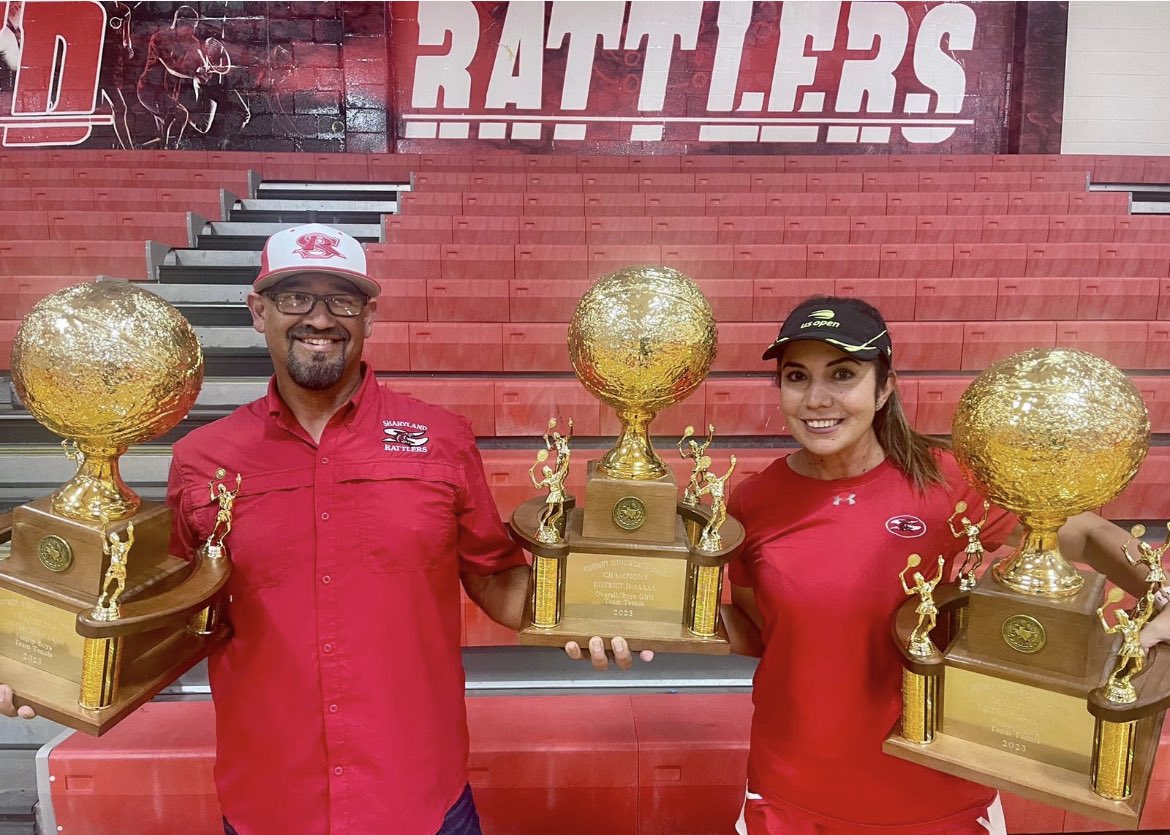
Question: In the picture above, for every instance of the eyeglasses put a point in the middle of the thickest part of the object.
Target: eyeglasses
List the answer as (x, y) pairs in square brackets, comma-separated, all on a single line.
[(297, 303)]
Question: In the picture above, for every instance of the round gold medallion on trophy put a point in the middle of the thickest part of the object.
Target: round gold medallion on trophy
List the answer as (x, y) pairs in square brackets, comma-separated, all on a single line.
[(640, 340), (1048, 434), (108, 365)]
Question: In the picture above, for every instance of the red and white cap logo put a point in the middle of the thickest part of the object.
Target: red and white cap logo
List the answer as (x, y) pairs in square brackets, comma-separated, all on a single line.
[(318, 245), (314, 248)]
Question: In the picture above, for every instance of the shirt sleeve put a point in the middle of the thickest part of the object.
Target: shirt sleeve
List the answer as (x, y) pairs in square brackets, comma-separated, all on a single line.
[(484, 544), (184, 540)]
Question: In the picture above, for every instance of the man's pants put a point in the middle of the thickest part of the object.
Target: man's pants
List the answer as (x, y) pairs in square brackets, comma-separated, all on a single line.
[(461, 819)]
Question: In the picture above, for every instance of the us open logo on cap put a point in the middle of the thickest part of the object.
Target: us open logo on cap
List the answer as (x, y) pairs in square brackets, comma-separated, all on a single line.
[(821, 319), (906, 526), (317, 245)]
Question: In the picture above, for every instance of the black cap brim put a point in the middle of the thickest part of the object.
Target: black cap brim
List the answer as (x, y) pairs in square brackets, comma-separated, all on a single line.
[(861, 352)]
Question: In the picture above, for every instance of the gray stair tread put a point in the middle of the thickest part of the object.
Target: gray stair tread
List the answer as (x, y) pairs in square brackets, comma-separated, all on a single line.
[(309, 188), (260, 204), (498, 671), (238, 228), (230, 337), (212, 258), (219, 294)]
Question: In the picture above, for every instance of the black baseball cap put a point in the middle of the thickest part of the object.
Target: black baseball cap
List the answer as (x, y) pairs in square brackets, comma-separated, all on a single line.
[(837, 322)]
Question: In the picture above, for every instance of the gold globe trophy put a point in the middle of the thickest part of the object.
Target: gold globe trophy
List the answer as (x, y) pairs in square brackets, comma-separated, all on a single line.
[(94, 613), (633, 561), (1029, 703)]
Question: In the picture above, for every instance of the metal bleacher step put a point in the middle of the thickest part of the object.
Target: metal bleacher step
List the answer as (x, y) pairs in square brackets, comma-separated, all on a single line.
[(217, 266), (232, 235), (277, 190), (285, 211)]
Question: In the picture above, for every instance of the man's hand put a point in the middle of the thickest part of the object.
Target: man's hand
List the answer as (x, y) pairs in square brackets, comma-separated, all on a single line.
[(7, 708), (597, 656)]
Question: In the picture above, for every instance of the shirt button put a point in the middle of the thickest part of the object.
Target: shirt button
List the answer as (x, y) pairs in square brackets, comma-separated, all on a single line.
[(326, 579), (327, 648), (333, 708), (337, 771), (324, 460), (325, 516)]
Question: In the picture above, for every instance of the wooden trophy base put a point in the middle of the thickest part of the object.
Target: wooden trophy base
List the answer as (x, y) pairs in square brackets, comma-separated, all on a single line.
[(151, 662), (612, 585), (1016, 691), (1040, 781), (48, 630)]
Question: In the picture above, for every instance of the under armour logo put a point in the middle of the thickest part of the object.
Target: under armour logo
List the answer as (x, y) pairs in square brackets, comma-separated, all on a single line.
[(844, 498), (318, 245)]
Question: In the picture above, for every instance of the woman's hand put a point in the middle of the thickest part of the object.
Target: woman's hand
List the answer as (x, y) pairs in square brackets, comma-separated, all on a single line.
[(1157, 631), (598, 657)]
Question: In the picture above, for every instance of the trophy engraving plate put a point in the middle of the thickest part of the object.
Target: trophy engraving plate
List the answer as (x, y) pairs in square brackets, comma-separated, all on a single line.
[(609, 587), (1018, 718), (54, 553), (629, 513), (41, 636), (1024, 634)]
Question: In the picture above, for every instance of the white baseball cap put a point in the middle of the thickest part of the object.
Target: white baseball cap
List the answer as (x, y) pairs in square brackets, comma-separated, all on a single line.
[(314, 248)]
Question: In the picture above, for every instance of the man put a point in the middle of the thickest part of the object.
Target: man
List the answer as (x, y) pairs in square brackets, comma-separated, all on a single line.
[(339, 697)]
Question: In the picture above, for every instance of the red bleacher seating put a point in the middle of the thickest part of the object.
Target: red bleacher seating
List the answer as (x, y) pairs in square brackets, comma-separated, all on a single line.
[(955, 299), (523, 406), (485, 230), (604, 230), (1037, 298), (554, 231), (1014, 229), (1118, 298), (688, 230), (987, 342), (1121, 343)]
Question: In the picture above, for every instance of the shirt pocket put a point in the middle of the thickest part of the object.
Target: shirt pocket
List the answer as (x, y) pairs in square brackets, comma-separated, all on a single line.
[(267, 531), (404, 512)]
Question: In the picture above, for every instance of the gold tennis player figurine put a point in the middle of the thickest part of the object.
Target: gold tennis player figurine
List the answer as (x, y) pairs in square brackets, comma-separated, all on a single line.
[(555, 440), (214, 548), (549, 528), (716, 488), (114, 584), (973, 556), (1151, 558), (696, 451), (920, 644), (1131, 658)]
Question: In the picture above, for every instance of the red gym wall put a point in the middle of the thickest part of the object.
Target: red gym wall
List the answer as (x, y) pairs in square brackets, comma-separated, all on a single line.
[(605, 77)]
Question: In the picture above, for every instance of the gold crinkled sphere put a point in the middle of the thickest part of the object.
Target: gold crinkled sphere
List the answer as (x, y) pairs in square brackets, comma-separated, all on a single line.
[(642, 338), (1050, 433), (106, 364)]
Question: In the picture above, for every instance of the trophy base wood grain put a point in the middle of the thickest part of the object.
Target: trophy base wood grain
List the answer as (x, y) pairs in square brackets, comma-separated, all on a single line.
[(32, 523), (142, 676), (604, 494), (1034, 780), (1069, 625), (659, 637)]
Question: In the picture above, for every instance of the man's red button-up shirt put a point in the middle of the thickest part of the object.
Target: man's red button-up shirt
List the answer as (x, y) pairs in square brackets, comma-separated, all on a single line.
[(339, 698)]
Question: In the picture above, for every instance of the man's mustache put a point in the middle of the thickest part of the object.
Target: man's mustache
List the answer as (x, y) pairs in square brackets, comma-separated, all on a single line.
[(305, 332)]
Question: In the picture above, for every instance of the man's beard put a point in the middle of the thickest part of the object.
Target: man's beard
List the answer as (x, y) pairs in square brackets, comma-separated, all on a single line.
[(319, 371)]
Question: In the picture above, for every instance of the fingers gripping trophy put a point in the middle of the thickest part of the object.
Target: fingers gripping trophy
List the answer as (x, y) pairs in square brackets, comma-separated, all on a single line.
[(635, 560), (93, 608)]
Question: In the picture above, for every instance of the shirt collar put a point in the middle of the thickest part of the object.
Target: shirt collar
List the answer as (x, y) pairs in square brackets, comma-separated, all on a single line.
[(364, 398)]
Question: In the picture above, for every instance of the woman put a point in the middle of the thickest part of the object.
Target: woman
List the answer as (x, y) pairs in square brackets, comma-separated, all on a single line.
[(828, 528)]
